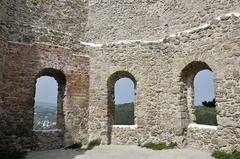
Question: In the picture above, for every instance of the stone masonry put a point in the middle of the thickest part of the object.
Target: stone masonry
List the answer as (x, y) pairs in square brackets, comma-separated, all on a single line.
[(88, 45)]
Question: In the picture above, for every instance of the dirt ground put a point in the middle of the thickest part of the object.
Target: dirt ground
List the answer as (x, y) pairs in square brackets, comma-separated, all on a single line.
[(121, 152)]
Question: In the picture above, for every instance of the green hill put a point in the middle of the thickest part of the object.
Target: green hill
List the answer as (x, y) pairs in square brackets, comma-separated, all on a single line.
[(205, 115), (124, 114)]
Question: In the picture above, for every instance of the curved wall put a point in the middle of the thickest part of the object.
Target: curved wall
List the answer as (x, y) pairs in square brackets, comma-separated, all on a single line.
[(156, 65), (160, 110), (56, 22), (114, 20)]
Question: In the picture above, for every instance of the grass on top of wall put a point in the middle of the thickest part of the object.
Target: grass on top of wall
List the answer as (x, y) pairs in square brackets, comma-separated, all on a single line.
[(159, 146), (224, 155)]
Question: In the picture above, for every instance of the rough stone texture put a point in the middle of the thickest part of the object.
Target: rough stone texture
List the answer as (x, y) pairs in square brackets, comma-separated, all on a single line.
[(47, 21), (112, 20), (46, 140), (205, 138), (162, 70), (25, 63), (125, 135), (3, 51)]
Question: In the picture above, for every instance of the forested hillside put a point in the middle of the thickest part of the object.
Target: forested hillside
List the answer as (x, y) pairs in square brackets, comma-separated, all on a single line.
[(124, 114)]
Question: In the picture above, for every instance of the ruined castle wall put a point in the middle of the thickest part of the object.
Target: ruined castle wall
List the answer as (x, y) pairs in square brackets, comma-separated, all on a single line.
[(162, 69), (3, 51), (161, 111), (3, 38), (56, 22), (112, 20), (24, 63)]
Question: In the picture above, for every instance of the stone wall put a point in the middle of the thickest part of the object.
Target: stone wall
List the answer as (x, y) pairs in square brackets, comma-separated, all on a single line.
[(203, 136), (177, 39), (47, 140), (24, 63), (124, 135), (163, 109), (112, 20), (56, 22), (3, 51)]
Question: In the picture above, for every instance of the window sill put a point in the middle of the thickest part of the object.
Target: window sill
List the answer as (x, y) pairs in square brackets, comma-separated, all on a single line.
[(201, 126), (48, 131), (125, 126)]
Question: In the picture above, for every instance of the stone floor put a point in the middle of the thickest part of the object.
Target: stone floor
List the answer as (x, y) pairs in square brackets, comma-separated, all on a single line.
[(121, 152)]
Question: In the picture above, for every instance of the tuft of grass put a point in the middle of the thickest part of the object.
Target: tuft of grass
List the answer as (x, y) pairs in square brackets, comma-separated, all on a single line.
[(75, 146), (12, 154), (93, 143), (159, 146), (224, 155)]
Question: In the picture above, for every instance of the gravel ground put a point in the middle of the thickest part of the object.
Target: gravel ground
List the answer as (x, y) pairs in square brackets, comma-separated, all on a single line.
[(121, 152)]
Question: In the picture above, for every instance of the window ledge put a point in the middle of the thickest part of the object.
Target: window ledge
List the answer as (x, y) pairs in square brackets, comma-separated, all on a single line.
[(48, 131), (125, 126), (200, 126)]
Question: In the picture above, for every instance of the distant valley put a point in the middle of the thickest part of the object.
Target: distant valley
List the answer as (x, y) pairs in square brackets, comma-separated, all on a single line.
[(45, 116)]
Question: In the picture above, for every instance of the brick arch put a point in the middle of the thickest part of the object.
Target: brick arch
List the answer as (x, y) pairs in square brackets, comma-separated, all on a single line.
[(110, 87), (59, 76), (187, 91)]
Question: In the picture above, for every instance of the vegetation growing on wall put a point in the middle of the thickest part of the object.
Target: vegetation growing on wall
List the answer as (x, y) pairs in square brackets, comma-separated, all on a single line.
[(93, 143)]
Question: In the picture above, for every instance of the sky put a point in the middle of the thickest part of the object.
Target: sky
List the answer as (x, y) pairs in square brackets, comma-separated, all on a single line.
[(46, 89), (203, 87), (124, 91)]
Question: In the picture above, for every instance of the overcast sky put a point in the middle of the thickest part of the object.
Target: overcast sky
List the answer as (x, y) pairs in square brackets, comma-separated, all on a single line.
[(124, 89)]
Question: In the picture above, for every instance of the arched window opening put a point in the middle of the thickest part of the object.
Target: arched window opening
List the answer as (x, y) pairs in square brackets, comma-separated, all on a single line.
[(204, 98), (121, 90), (124, 102), (45, 115), (196, 80), (48, 105)]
